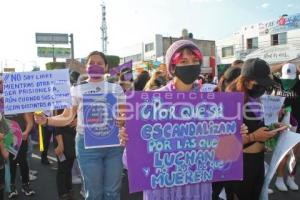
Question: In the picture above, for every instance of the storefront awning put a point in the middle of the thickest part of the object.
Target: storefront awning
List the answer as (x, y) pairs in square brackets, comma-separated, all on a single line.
[(276, 54)]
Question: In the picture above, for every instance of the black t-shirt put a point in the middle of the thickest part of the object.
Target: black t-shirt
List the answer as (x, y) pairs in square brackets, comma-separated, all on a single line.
[(292, 97), (252, 124)]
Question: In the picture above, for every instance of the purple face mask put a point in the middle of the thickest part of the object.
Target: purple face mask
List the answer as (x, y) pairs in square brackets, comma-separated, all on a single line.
[(95, 72)]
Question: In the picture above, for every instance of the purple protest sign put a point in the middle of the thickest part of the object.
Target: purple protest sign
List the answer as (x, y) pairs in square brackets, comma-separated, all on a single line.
[(125, 69), (177, 139)]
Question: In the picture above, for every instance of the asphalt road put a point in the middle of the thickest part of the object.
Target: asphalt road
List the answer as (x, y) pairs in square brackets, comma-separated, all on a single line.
[(45, 185)]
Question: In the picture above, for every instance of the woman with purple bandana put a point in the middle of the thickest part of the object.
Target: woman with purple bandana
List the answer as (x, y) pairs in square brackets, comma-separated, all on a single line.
[(183, 60), (101, 168)]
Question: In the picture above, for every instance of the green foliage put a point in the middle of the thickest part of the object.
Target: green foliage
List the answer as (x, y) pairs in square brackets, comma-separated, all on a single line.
[(55, 65), (112, 61)]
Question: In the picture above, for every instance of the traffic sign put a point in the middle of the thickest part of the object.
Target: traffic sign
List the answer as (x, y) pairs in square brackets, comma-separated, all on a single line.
[(51, 38), (53, 52)]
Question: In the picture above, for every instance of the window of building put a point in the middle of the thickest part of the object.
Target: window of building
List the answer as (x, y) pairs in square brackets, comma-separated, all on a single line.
[(149, 47), (252, 43), (227, 51), (278, 39)]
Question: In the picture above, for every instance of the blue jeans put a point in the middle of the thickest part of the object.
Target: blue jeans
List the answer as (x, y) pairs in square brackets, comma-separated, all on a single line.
[(101, 170)]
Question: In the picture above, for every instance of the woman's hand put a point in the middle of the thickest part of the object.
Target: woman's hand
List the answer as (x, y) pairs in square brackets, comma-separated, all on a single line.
[(24, 136), (123, 136), (262, 134), (59, 150), (73, 124), (244, 129), (40, 118)]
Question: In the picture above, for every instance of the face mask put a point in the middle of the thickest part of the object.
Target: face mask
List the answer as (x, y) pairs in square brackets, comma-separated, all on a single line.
[(159, 81), (257, 91), (95, 72), (288, 83), (188, 74)]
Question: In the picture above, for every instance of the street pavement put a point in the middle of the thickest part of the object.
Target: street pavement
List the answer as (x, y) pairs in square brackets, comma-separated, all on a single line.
[(45, 185)]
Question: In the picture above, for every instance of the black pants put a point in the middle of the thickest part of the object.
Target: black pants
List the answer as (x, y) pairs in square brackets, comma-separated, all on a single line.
[(125, 189), (47, 133), (21, 159), (2, 182), (217, 189), (64, 176), (254, 171)]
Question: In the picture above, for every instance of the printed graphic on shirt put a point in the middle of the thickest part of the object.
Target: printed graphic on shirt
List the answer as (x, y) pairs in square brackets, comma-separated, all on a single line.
[(99, 112)]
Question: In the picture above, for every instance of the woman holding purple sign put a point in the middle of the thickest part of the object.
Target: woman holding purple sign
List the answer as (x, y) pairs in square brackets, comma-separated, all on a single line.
[(101, 168), (184, 60)]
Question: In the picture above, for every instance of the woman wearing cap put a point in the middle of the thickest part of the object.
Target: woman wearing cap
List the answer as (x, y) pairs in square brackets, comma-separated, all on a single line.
[(183, 60), (254, 80)]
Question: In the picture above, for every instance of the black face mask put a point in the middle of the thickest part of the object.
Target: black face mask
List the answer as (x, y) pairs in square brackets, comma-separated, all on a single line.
[(257, 91), (188, 74), (159, 81)]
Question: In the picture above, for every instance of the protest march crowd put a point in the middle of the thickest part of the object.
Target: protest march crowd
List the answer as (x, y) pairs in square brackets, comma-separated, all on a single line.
[(105, 171)]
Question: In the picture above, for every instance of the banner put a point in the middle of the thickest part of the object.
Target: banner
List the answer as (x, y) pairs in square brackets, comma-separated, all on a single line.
[(13, 137), (125, 69), (36, 91), (276, 54), (177, 139), (286, 142), (280, 25), (100, 126), (272, 106)]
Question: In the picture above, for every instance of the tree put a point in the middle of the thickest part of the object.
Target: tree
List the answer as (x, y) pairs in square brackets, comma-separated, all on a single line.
[(112, 61), (55, 65)]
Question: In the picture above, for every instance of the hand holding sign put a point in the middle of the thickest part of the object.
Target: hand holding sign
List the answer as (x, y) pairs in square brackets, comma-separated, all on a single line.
[(123, 136), (40, 118)]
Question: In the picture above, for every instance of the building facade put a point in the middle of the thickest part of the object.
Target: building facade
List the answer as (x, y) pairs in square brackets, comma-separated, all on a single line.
[(154, 52), (275, 41)]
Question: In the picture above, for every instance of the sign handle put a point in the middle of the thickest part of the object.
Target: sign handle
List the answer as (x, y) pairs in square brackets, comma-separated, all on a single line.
[(40, 133), (41, 138)]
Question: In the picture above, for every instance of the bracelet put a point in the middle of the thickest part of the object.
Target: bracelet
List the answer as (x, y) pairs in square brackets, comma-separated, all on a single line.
[(251, 139), (248, 139)]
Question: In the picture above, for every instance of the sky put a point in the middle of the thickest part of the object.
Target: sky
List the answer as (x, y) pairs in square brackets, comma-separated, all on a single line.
[(129, 22)]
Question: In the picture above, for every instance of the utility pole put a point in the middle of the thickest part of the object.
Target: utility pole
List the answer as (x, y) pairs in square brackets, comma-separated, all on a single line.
[(104, 29), (72, 46)]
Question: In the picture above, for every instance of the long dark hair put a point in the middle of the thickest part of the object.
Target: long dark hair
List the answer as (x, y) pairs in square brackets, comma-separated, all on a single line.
[(141, 80), (241, 84), (228, 77)]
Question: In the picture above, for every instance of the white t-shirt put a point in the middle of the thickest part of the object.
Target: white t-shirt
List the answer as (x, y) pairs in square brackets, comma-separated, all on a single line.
[(86, 88)]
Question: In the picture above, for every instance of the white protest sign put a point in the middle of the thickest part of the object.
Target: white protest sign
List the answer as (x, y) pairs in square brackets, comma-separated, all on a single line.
[(207, 87), (272, 106), (36, 91), (286, 142)]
